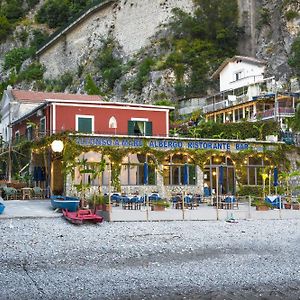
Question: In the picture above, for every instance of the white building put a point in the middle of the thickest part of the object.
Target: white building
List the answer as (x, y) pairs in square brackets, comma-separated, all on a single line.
[(245, 94), (14, 104), (239, 71)]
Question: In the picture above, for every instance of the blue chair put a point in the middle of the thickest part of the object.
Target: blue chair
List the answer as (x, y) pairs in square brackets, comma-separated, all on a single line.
[(231, 202), (207, 191), (154, 197), (116, 198)]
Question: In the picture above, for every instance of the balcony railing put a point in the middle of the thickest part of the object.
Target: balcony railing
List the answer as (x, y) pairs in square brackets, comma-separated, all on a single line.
[(282, 112)]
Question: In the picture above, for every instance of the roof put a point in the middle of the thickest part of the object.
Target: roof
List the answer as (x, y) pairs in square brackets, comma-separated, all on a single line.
[(248, 59), (38, 97)]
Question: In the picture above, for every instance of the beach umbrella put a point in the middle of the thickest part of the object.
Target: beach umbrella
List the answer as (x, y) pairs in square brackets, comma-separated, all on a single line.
[(185, 174), (221, 175), (39, 174), (35, 174), (275, 177), (146, 171)]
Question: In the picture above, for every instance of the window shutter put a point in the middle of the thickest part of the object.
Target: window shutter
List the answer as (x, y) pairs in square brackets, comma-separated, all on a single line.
[(85, 125), (148, 129), (130, 127)]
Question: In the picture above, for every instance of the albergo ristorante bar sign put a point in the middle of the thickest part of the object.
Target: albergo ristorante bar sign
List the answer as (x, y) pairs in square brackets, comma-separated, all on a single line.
[(170, 143)]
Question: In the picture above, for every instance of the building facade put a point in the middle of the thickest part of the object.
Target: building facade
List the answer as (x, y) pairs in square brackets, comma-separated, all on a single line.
[(127, 139), (246, 95)]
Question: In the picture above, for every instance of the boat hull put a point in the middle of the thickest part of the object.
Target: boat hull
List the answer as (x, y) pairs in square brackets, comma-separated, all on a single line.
[(64, 202), (2, 207), (81, 216)]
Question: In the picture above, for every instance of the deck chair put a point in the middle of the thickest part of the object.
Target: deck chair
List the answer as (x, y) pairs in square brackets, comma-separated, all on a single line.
[(10, 193), (37, 192)]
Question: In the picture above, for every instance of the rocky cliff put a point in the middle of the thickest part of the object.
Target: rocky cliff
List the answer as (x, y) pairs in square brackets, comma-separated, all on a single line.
[(269, 29)]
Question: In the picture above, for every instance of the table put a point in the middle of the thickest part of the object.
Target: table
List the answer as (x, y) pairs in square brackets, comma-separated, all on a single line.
[(26, 192)]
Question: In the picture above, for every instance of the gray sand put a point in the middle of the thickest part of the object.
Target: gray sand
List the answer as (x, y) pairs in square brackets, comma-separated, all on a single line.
[(52, 259)]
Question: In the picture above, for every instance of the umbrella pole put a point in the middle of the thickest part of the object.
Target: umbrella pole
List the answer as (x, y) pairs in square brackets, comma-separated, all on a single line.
[(217, 191), (183, 195)]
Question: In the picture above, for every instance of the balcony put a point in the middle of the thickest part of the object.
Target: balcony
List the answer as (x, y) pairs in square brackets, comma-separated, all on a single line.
[(271, 113)]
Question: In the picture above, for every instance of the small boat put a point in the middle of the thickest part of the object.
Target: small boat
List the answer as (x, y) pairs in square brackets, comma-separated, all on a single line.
[(2, 206), (65, 202), (82, 215)]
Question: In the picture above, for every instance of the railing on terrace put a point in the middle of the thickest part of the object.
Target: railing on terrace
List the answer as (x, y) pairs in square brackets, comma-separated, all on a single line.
[(282, 112), (83, 12)]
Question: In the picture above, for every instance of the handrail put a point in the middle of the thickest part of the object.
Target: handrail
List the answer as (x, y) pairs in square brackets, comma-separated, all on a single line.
[(74, 20)]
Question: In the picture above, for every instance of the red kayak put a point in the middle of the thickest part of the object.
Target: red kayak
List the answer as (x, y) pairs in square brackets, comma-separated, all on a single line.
[(82, 215)]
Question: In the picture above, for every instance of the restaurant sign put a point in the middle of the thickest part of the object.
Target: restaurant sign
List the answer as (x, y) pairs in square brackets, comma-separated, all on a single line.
[(161, 143)]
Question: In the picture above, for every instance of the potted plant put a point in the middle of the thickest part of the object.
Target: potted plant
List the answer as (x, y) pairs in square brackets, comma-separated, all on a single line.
[(100, 202), (261, 205), (287, 204), (296, 203), (160, 205)]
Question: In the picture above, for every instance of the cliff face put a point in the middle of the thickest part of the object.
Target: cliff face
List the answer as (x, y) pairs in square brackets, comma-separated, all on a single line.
[(131, 23), (269, 33), (135, 24)]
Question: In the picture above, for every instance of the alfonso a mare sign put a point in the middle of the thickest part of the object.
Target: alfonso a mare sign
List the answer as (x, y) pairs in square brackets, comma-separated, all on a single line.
[(161, 143)]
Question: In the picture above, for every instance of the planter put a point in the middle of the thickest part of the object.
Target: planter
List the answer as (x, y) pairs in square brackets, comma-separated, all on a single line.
[(262, 208), (103, 207), (287, 205), (158, 208), (296, 206)]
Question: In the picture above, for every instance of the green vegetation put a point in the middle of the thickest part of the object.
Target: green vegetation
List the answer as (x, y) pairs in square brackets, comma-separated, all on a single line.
[(109, 65), (90, 87), (250, 190), (142, 76), (242, 130), (56, 13), (264, 18), (5, 28), (200, 42), (294, 60), (11, 12), (15, 58), (291, 15), (34, 71), (57, 85)]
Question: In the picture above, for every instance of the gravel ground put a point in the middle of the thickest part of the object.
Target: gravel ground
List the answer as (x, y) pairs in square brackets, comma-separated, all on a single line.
[(52, 259)]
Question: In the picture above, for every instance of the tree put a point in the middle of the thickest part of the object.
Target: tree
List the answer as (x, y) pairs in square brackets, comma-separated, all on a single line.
[(55, 13), (90, 87), (294, 60), (201, 42), (5, 28), (15, 58)]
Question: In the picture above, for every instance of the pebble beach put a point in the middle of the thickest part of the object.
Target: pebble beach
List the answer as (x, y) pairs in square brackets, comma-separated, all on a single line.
[(48, 258)]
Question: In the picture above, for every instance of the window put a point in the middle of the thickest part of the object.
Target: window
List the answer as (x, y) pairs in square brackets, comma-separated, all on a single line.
[(141, 127), (253, 172), (132, 170), (179, 169), (92, 161), (212, 169), (42, 130), (85, 123), (237, 76), (29, 133), (17, 136)]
